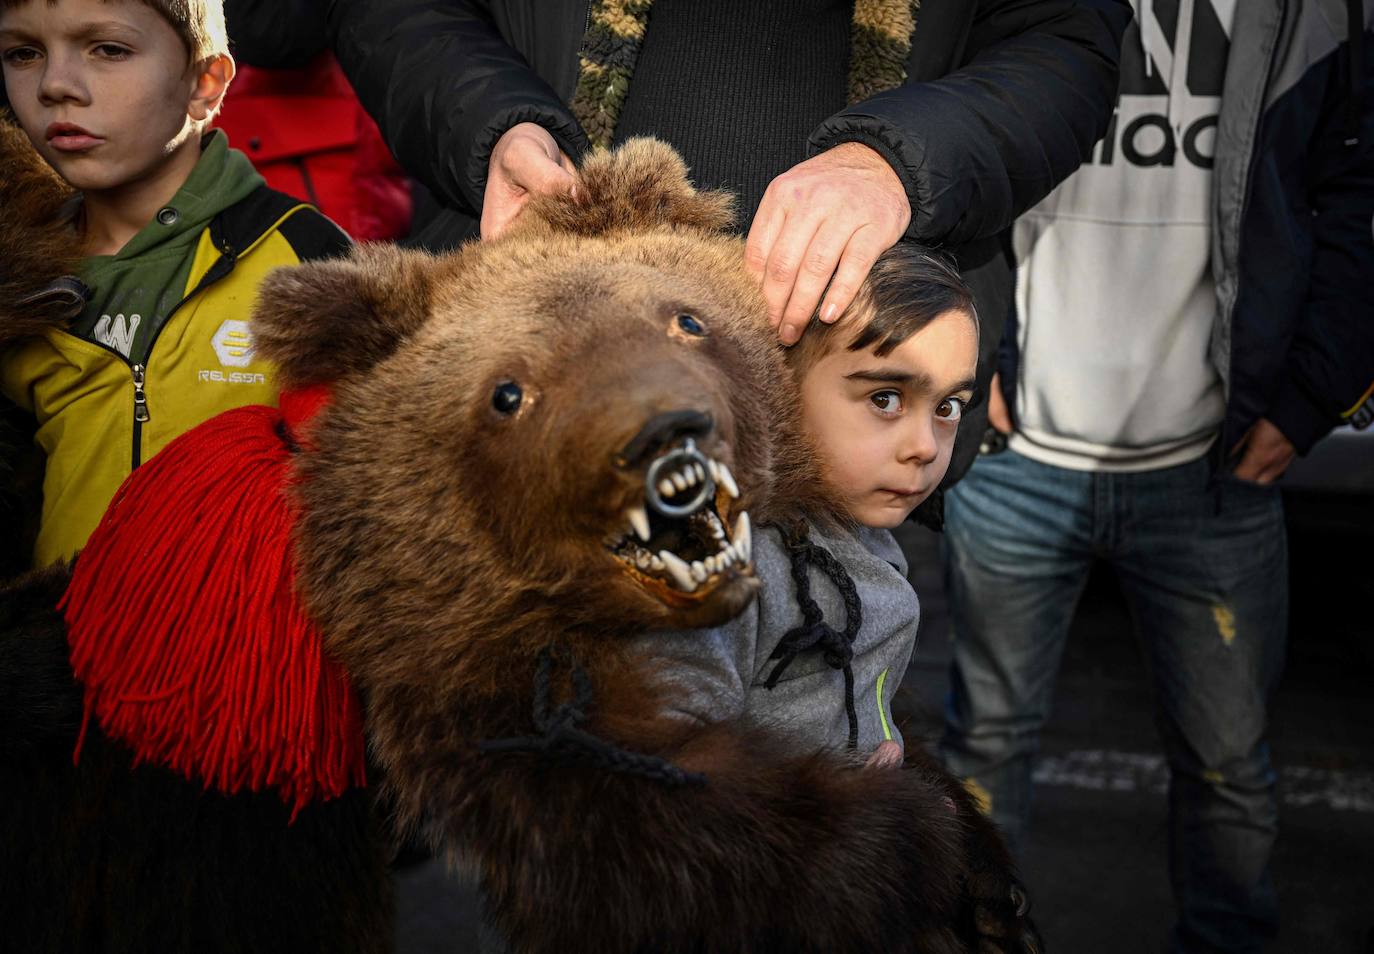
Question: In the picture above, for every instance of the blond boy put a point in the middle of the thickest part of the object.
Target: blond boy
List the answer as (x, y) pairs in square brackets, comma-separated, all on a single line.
[(178, 230)]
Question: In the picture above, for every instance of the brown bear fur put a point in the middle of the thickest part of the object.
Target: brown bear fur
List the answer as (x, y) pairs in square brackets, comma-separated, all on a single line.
[(443, 545), (40, 245)]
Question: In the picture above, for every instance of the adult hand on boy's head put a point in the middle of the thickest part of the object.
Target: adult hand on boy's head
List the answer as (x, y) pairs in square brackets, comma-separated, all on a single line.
[(825, 220), (525, 161), (1265, 453)]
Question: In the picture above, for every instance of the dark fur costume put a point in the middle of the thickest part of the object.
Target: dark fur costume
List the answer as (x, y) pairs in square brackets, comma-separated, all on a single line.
[(112, 858), (446, 541)]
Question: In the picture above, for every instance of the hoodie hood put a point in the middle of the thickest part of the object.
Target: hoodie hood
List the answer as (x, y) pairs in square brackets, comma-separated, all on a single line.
[(135, 289)]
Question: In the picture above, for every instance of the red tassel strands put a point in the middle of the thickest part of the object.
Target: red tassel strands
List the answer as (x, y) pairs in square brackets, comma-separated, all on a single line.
[(186, 630)]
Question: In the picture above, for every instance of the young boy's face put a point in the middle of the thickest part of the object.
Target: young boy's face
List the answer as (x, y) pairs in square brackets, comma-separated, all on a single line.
[(101, 88), (885, 426)]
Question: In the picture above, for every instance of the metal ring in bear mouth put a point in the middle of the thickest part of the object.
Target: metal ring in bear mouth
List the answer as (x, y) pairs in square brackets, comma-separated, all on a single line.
[(675, 472), (676, 533)]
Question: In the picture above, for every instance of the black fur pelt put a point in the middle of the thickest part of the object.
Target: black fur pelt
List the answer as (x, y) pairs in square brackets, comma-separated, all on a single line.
[(21, 490), (111, 858)]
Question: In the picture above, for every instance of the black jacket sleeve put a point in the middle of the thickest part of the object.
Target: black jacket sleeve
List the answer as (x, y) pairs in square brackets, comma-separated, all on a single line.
[(1330, 366), (443, 85), (275, 34), (978, 147)]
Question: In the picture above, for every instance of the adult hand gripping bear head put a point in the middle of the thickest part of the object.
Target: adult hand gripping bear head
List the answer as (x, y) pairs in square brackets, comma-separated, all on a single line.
[(819, 229)]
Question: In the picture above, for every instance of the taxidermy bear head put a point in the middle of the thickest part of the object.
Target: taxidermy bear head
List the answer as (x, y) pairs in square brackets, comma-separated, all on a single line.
[(569, 429)]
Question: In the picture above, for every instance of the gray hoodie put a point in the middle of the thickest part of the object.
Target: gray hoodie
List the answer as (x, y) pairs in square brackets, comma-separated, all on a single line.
[(723, 671)]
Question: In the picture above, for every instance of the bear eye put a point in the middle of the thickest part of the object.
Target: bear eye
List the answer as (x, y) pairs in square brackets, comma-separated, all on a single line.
[(507, 397), (691, 325)]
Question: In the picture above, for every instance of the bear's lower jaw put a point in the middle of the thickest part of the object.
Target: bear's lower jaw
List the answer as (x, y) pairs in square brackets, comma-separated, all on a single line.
[(687, 556), (699, 582)]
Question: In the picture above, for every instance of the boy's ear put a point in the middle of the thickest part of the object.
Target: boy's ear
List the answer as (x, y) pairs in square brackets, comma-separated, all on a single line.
[(213, 76), (321, 321)]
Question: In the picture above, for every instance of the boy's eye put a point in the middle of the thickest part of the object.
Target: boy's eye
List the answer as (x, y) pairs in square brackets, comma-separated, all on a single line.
[(950, 409), (19, 55), (112, 51), (889, 402)]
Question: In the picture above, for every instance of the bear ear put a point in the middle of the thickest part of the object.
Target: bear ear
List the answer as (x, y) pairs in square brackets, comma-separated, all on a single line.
[(321, 321), (641, 185), (39, 251)]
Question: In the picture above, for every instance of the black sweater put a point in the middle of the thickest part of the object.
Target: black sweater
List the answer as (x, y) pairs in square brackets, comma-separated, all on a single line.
[(738, 87)]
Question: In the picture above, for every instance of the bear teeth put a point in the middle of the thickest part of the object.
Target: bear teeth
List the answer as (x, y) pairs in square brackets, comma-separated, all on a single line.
[(688, 574), (744, 537), (639, 521), (693, 474), (679, 570), (727, 480)]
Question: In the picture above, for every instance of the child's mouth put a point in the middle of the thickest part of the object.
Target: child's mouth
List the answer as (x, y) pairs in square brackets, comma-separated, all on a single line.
[(66, 137)]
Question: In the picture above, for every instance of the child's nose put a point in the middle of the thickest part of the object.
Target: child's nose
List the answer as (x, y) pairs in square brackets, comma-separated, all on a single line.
[(61, 80), (919, 445)]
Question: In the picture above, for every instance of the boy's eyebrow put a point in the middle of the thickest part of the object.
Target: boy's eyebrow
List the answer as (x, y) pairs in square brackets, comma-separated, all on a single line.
[(83, 32), (918, 381), (890, 376), (87, 30)]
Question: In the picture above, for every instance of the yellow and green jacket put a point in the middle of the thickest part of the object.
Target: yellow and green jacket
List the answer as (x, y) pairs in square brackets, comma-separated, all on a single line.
[(164, 342)]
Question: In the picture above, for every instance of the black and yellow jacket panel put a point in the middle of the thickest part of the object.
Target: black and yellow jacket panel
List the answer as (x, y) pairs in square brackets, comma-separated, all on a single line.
[(111, 392)]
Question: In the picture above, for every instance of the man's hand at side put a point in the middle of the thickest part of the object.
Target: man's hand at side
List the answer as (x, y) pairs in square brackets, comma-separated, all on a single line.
[(832, 215), (1265, 453), (526, 161), (998, 415)]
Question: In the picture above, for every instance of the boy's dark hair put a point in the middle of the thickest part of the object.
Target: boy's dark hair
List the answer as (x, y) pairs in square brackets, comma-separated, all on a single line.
[(907, 288), (199, 23)]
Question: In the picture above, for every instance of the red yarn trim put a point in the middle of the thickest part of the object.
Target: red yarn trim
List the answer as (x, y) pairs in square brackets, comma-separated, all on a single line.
[(186, 630), (300, 407)]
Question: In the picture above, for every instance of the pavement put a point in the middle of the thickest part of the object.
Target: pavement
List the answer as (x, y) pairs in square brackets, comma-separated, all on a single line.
[(1095, 857)]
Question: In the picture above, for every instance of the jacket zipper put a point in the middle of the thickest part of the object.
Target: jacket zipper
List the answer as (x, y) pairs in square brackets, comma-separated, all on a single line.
[(226, 262), (140, 409), (222, 266)]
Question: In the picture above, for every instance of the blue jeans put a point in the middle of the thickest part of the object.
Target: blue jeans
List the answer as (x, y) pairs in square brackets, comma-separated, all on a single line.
[(1203, 567)]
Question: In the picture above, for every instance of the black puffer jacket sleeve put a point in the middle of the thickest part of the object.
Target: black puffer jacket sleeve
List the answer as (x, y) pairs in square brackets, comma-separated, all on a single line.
[(979, 146), (444, 86), (275, 34)]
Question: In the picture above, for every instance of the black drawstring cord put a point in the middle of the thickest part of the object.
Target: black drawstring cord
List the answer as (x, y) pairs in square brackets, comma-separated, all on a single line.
[(560, 731), (837, 648)]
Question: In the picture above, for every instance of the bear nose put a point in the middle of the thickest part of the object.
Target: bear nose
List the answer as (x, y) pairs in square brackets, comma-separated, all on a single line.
[(662, 430)]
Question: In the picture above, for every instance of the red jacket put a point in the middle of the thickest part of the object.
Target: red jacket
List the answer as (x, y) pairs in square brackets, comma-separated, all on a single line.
[(306, 133)]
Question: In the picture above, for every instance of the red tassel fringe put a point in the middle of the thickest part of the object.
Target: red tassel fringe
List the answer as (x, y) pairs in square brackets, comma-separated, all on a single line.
[(186, 630)]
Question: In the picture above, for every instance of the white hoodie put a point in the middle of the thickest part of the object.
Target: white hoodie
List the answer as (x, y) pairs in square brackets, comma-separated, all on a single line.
[(1115, 295)]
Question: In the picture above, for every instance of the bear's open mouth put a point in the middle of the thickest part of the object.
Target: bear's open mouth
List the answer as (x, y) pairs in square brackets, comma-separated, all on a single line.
[(680, 534)]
